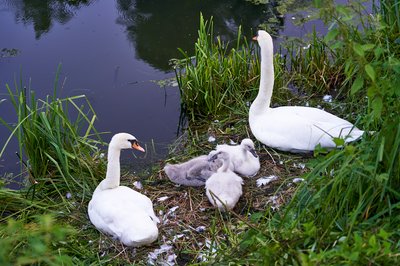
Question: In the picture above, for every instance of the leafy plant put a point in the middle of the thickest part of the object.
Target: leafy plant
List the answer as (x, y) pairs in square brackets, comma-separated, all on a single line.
[(217, 78), (38, 242), (49, 133)]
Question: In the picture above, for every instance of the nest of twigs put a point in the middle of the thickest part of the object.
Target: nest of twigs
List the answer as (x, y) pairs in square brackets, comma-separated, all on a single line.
[(190, 225)]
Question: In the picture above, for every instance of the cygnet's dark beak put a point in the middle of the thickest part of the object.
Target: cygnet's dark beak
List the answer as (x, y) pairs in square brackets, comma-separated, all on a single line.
[(253, 151), (255, 38), (136, 146), (213, 158)]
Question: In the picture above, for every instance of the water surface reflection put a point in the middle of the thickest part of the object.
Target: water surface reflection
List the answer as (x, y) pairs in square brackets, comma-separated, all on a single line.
[(112, 51)]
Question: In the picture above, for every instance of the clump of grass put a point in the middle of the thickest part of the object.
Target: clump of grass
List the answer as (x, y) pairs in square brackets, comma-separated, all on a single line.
[(58, 139), (219, 77), (348, 210), (41, 241)]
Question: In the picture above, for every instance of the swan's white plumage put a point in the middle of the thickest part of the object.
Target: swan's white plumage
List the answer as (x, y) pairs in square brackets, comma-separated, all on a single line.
[(194, 172), (223, 188), (292, 128), (243, 157), (119, 210)]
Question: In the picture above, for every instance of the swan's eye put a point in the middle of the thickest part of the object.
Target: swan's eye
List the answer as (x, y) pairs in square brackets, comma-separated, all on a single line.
[(132, 141)]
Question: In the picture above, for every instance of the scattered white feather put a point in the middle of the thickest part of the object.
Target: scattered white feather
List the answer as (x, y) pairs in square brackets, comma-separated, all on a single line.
[(262, 181), (68, 195), (200, 229), (273, 200), (307, 47), (101, 155), (211, 139), (327, 98), (231, 142), (171, 259), (153, 256), (172, 210), (161, 199), (138, 185), (298, 180), (299, 165), (202, 209), (176, 237)]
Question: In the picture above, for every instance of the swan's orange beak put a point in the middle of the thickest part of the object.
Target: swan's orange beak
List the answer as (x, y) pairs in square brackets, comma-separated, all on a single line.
[(255, 38), (136, 146)]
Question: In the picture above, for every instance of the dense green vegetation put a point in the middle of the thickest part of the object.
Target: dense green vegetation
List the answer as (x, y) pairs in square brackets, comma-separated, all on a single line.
[(347, 211)]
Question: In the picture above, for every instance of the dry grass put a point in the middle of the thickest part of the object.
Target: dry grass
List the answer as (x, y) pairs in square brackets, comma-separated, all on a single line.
[(190, 225)]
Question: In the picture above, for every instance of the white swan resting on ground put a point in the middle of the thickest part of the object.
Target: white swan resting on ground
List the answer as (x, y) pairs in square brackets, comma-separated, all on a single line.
[(243, 157), (292, 128), (119, 210), (223, 188), (194, 172)]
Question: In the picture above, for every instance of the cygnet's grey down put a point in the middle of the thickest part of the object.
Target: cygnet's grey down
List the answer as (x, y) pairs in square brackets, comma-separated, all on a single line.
[(223, 188), (243, 157), (194, 172)]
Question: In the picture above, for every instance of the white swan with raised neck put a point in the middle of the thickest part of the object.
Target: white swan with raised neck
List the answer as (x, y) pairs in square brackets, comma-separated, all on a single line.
[(120, 211), (292, 128)]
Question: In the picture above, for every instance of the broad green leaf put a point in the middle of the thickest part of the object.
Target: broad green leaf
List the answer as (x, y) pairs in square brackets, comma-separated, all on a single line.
[(370, 71), (367, 47), (377, 106), (357, 85), (338, 141), (358, 49), (331, 34)]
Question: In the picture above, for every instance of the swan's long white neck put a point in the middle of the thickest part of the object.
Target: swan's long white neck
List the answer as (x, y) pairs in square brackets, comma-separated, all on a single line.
[(113, 174), (225, 165), (263, 100)]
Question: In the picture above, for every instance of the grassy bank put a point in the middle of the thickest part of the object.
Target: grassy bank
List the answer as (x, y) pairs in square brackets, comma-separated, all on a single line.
[(345, 212), (348, 210)]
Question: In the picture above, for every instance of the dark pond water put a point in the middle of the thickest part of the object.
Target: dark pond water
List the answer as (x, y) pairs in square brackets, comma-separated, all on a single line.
[(113, 51)]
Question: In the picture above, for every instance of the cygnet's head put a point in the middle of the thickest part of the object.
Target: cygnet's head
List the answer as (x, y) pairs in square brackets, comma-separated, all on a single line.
[(218, 155), (263, 36), (125, 141), (248, 145)]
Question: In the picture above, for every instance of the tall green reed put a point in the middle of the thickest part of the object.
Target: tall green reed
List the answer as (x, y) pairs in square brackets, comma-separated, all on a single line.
[(347, 211), (57, 139), (219, 77)]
